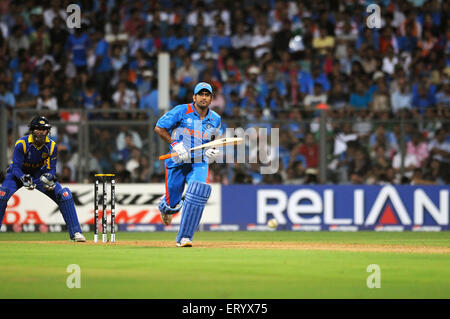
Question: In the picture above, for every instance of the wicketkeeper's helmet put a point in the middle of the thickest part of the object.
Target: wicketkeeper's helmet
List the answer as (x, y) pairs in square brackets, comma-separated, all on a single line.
[(39, 123)]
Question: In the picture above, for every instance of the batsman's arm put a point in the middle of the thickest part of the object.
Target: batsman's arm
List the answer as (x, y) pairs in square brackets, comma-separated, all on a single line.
[(177, 148), (219, 131), (168, 122), (163, 134)]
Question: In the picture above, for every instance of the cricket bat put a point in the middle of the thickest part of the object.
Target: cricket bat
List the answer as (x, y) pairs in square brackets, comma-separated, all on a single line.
[(216, 143)]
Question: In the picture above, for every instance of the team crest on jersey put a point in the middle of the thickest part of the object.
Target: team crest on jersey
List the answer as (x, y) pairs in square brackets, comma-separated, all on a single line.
[(44, 155), (189, 120), (208, 126)]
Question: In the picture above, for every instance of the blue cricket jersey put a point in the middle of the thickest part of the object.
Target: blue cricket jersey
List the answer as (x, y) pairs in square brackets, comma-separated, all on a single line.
[(29, 159), (78, 47), (185, 126)]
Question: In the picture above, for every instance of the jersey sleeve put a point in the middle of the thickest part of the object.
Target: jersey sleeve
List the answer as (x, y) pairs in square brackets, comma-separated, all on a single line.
[(52, 159), (171, 119), (219, 128), (18, 157)]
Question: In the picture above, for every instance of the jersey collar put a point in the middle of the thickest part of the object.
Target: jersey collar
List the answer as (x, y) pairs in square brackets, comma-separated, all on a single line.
[(31, 141), (191, 109)]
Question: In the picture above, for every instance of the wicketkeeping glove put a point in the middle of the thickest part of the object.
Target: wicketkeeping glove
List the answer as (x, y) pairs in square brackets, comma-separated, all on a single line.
[(183, 154), (48, 181), (27, 182), (212, 152)]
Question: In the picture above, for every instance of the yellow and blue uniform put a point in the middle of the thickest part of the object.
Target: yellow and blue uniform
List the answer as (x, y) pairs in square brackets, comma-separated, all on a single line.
[(185, 126), (36, 161), (29, 159)]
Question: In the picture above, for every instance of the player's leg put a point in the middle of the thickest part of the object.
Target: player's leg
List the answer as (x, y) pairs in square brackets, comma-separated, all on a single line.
[(197, 194), (171, 202), (63, 198), (9, 186)]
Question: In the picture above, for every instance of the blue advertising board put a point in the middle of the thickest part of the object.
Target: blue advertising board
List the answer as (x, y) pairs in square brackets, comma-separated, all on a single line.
[(337, 207)]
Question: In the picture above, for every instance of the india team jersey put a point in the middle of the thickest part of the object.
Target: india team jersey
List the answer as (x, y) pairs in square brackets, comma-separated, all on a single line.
[(185, 126), (29, 159)]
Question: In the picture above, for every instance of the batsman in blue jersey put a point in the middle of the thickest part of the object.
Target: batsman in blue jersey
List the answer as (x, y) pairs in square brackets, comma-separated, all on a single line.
[(33, 166), (186, 126)]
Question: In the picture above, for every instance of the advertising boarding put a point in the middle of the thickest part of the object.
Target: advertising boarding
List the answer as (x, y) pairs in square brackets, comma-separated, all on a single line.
[(136, 204), (337, 208)]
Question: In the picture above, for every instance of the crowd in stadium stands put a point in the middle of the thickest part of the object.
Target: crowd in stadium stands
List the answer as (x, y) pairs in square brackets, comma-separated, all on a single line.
[(267, 60)]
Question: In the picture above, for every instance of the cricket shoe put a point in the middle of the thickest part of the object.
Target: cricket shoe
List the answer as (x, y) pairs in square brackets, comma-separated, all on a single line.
[(185, 242), (78, 237), (166, 218)]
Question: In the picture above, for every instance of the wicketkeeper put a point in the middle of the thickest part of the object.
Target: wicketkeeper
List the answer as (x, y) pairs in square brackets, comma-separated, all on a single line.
[(33, 167), (183, 127)]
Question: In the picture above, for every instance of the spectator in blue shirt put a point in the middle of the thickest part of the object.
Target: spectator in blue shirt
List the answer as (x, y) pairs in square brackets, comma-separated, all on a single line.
[(141, 61), (368, 38), (6, 97), (149, 100), (78, 44), (251, 100), (32, 85), (138, 65), (212, 70), (139, 41), (149, 44), (361, 98), (251, 79), (402, 97), (269, 82), (303, 78), (178, 39), (258, 120), (102, 63), (145, 84), (232, 103), (153, 42), (220, 39), (18, 75), (118, 61), (231, 85), (24, 99), (423, 99), (407, 42), (89, 97), (275, 101), (199, 38), (382, 137), (14, 64), (430, 88), (307, 80)]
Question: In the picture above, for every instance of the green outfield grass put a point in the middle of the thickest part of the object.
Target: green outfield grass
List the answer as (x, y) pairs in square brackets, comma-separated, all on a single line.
[(128, 270)]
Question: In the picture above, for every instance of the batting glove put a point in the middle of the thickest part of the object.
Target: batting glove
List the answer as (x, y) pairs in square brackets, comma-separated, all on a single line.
[(183, 154), (48, 181), (212, 153), (27, 182)]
